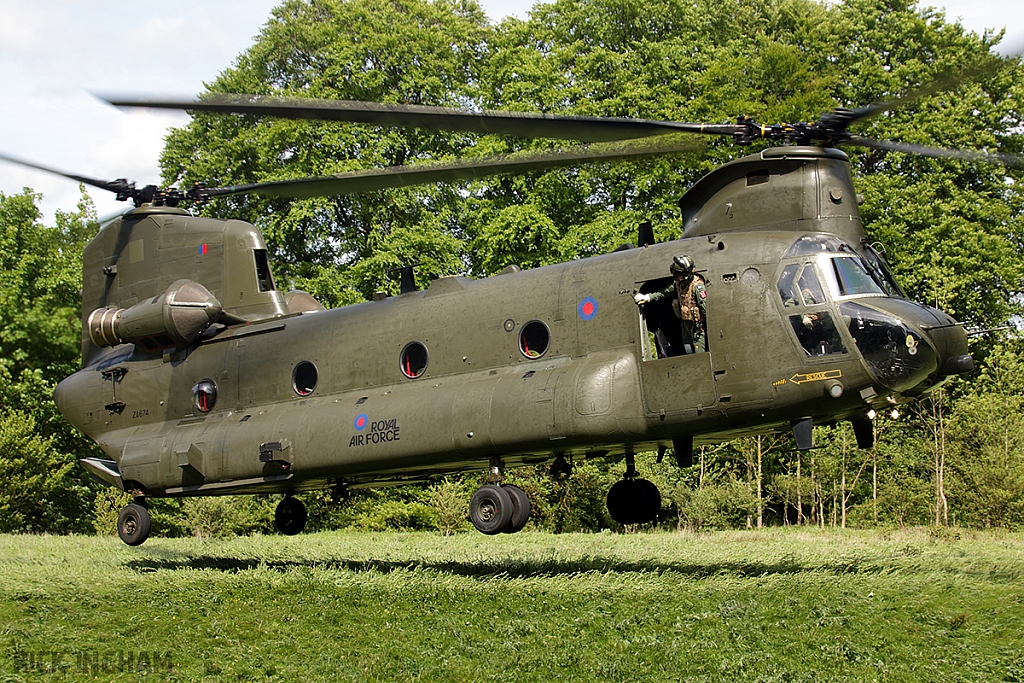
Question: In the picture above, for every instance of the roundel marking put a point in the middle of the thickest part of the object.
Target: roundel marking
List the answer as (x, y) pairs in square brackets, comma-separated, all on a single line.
[(588, 308), (361, 421)]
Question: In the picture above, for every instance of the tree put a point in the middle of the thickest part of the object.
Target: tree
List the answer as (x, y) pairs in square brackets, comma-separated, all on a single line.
[(986, 445), (41, 487), (406, 51)]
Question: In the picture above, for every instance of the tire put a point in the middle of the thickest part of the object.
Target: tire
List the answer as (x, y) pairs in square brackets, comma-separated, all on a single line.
[(520, 509), (490, 509), (133, 524), (627, 502), (290, 516), (653, 498)]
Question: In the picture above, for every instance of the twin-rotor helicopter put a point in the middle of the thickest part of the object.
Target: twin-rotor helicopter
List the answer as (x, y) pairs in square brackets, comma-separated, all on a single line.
[(200, 377)]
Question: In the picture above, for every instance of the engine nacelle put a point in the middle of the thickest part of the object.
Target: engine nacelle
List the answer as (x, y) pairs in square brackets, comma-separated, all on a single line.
[(175, 318)]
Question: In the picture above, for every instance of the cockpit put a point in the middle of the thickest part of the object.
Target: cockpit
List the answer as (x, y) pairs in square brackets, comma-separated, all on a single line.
[(826, 288)]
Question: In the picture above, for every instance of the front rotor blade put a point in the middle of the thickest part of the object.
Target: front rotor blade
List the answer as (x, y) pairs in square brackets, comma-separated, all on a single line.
[(1011, 160), (519, 124), (947, 81), (470, 169), (110, 185)]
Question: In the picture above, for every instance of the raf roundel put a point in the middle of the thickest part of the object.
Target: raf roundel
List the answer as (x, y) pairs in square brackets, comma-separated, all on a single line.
[(588, 308), (361, 422)]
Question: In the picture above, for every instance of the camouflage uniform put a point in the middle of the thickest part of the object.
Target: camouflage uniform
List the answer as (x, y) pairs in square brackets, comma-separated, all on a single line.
[(688, 304)]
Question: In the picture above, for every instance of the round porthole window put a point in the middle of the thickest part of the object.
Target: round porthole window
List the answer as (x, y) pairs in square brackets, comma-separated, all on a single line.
[(413, 360), (534, 339), (304, 378), (204, 395)]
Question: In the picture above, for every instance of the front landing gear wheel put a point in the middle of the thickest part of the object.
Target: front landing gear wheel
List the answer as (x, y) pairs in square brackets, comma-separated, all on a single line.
[(634, 501), (520, 509), (653, 496), (290, 516), (626, 502), (490, 509), (133, 524)]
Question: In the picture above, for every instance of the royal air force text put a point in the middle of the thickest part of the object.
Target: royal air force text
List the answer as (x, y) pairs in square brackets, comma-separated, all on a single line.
[(381, 431)]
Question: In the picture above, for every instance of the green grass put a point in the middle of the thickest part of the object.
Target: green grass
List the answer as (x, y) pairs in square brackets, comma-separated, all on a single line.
[(777, 605)]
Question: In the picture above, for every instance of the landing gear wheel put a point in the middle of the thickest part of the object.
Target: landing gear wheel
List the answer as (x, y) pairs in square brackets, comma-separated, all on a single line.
[(653, 497), (290, 516), (133, 524), (490, 509), (627, 503), (634, 501), (520, 509)]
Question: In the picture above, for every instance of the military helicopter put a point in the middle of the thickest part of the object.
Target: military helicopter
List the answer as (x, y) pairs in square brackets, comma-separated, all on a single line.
[(200, 377)]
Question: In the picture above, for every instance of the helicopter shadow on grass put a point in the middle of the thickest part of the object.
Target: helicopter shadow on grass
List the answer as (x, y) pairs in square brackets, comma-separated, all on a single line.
[(518, 569)]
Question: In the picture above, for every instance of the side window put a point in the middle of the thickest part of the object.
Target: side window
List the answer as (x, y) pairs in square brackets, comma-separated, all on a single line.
[(817, 333), (413, 360), (263, 277)]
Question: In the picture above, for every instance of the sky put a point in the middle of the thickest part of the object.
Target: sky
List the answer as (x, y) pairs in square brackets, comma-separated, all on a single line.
[(54, 53)]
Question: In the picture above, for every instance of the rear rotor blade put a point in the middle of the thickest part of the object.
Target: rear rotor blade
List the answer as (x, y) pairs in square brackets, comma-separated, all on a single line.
[(1010, 160), (519, 124), (470, 169), (119, 185)]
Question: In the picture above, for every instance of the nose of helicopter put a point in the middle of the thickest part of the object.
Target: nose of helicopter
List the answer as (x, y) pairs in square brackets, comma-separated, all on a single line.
[(909, 347)]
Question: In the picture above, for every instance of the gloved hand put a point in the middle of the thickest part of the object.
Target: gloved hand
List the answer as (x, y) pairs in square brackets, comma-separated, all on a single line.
[(641, 299)]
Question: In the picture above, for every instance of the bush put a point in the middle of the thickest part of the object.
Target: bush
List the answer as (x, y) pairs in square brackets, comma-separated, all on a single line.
[(450, 500), (394, 514), (108, 504), (223, 516), (724, 505)]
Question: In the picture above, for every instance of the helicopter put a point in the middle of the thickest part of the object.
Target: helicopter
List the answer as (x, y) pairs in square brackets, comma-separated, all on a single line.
[(200, 377)]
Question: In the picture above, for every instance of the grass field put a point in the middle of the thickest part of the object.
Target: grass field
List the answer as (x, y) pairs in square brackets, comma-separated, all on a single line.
[(776, 605)]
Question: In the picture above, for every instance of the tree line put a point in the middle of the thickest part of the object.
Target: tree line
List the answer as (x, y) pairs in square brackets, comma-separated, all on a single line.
[(950, 229)]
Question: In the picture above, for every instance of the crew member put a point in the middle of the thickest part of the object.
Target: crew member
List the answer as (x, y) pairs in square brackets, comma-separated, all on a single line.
[(687, 294)]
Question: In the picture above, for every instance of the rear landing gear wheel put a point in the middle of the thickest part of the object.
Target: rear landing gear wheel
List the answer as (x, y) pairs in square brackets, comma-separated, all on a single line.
[(133, 524), (290, 516), (520, 509), (490, 509)]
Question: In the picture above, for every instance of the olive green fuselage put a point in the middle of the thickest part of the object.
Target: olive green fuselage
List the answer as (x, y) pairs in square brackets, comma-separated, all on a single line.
[(520, 367), (591, 392)]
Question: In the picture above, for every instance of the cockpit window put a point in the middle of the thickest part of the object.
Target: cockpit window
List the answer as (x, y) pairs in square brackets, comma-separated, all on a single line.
[(799, 285), (810, 288), (852, 278), (787, 286), (880, 270)]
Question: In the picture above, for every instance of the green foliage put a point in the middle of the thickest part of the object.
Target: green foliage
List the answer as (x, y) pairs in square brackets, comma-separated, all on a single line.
[(402, 508), (30, 477), (986, 435), (448, 498), (403, 51), (108, 504), (726, 505), (225, 516), (40, 331)]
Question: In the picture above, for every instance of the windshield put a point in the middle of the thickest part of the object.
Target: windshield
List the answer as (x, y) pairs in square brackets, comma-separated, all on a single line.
[(880, 270), (852, 278)]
